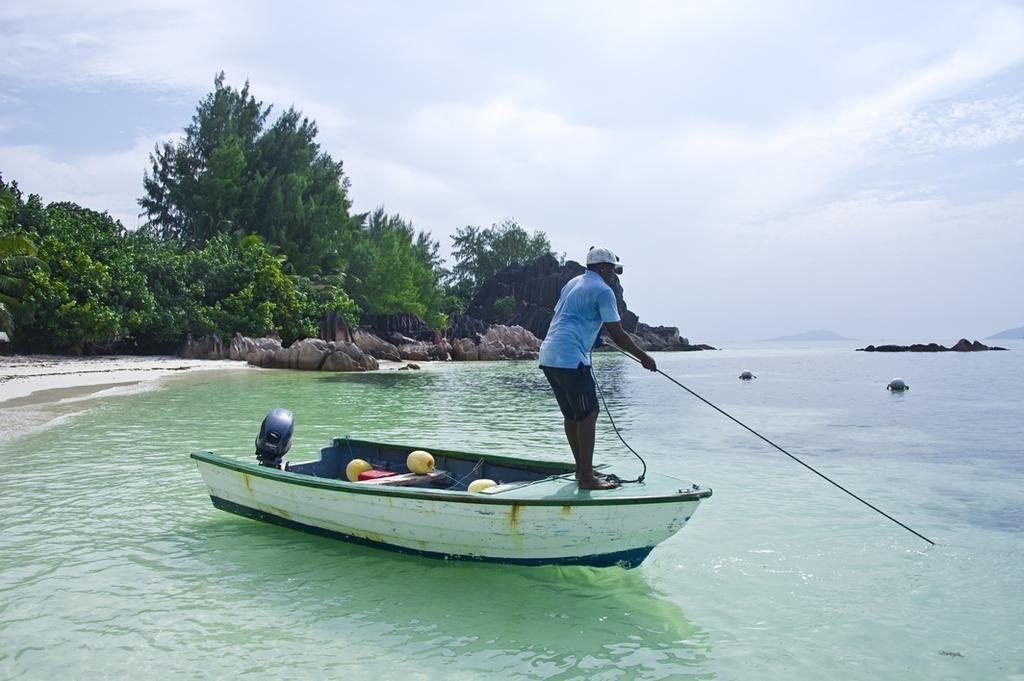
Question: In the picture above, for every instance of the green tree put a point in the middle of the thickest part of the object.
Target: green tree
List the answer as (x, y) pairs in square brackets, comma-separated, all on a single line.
[(504, 308), (86, 295), (232, 173), (17, 255), (482, 253), (176, 292), (393, 270)]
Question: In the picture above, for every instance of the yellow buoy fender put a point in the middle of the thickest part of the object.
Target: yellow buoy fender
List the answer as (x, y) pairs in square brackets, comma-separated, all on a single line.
[(354, 468), (420, 462), (481, 484)]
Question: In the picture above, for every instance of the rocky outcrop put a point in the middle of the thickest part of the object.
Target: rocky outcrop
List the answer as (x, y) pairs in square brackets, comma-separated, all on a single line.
[(398, 325), (309, 353), (242, 346), (497, 342), (421, 351), (962, 345), (509, 342), (663, 338), (411, 337), (535, 288), (374, 346), (464, 326), (204, 347), (333, 327), (509, 329), (315, 354)]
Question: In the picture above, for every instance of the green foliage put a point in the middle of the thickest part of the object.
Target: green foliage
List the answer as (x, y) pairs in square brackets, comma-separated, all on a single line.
[(233, 174), (94, 287), (482, 253), (249, 232), (391, 272), (504, 307), (17, 255), (86, 294), (244, 289)]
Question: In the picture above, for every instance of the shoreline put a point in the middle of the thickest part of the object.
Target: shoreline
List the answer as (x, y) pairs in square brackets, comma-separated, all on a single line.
[(39, 380)]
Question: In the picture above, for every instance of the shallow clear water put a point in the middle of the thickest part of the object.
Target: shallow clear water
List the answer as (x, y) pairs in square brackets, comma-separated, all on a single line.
[(113, 562)]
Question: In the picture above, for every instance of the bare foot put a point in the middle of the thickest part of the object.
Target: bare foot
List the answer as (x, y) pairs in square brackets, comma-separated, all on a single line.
[(595, 483)]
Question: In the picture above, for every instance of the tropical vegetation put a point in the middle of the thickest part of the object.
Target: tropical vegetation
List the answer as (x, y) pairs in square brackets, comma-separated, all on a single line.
[(249, 229)]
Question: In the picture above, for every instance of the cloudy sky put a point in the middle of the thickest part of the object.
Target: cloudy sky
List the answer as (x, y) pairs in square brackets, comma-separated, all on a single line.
[(762, 168)]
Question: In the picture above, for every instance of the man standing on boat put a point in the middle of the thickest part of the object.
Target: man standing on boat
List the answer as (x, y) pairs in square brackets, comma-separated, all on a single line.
[(587, 303)]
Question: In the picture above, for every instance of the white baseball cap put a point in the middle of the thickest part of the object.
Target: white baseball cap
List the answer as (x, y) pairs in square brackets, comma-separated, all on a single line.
[(603, 255)]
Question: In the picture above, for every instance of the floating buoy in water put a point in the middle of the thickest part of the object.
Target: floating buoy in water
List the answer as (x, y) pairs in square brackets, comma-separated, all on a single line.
[(746, 375), (355, 467), (481, 484), (897, 385), (420, 462)]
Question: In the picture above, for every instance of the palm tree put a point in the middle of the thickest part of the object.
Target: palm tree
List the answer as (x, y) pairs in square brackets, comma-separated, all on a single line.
[(17, 252)]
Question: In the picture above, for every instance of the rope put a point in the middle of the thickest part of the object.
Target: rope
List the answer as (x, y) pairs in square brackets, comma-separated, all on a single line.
[(458, 481), (607, 411), (805, 465)]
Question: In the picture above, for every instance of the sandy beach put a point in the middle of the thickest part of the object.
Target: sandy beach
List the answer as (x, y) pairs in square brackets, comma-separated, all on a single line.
[(36, 380), (33, 380)]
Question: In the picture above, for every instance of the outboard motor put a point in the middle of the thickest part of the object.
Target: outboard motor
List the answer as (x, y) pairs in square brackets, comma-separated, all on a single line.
[(275, 438)]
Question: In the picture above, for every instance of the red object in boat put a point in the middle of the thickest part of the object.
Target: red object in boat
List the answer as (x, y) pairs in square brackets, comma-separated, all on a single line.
[(374, 474)]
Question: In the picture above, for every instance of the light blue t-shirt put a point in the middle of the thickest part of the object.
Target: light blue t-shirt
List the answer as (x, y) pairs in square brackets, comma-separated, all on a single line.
[(585, 304)]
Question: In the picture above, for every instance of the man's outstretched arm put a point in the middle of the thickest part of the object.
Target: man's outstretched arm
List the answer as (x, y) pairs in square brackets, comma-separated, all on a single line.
[(622, 339)]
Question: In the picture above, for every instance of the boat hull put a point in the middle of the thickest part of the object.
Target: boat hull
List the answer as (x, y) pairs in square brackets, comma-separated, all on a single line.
[(553, 529)]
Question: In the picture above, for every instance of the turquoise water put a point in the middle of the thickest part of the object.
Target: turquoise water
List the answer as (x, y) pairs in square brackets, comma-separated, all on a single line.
[(113, 563)]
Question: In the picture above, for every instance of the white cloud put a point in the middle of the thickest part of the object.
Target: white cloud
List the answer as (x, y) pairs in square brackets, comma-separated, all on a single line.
[(705, 138), (108, 182), (159, 45), (971, 125), (431, 203), (503, 135)]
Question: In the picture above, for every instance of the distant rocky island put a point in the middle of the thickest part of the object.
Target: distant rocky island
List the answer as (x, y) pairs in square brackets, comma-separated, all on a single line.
[(1009, 334), (962, 345), (815, 335)]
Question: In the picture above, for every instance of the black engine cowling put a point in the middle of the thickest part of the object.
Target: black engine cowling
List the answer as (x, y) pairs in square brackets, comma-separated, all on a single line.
[(275, 438)]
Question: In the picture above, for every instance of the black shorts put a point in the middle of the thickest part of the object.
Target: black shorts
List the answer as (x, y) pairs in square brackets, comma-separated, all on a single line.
[(574, 390)]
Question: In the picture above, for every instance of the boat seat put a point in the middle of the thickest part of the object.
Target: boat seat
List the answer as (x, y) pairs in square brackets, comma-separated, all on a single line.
[(405, 479)]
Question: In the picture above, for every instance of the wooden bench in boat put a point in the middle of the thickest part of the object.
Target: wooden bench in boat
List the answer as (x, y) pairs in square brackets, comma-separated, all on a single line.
[(405, 479)]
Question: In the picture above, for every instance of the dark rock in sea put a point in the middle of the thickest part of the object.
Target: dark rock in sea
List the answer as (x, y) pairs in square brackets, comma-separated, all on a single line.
[(962, 345), (663, 338)]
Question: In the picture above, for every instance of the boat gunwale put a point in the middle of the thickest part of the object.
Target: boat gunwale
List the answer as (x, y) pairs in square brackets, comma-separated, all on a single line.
[(459, 497), (561, 466)]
